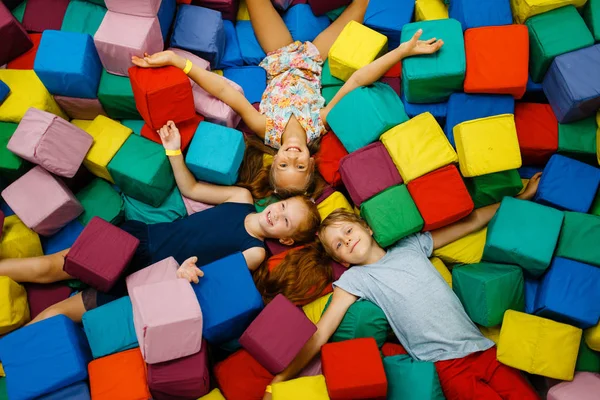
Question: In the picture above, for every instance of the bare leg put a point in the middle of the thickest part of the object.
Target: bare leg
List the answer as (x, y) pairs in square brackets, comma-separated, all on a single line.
[(44, 269), (354, 12), (270, 30), (72, 308)]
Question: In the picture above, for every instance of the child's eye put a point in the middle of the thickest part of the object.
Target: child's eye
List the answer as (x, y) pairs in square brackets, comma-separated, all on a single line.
[(337, 246), (349, 230), (283, 206), (286, 223), (283, 165)]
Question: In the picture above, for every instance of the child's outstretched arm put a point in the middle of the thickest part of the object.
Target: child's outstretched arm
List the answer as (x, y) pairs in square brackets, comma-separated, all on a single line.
[(372, 72), (213, 84), (478, 219)]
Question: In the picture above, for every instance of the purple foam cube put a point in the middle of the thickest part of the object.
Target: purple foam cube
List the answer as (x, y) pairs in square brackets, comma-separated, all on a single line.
[(42, 296), (140, 8), (11, 31), (100, 254), (368, 171), (228, 8), (42, 202), (320, 7), (313, 368), (275, 247), (50, 141), (77, 108), (277, 334), (41, 15), (184, 378)]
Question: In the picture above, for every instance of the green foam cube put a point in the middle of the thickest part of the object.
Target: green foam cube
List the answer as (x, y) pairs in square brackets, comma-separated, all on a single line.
[(364, 114), (116, 96), (409, 379), (142, 171), (83, 17), (18, 12), (170, 210), (595, 210), (329, 93), (392, 215), (434, 77), (587, 360), (591, 15), (487, 290), (363, 319), (12, 166), (578, 140), (327, 79), (100, 199), (523, 233), (553, 33), (491, 188), (3, 391), (580, 238)]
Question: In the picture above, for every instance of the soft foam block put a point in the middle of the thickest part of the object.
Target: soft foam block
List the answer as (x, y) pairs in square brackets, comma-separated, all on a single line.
[(331, 152), (411, 379), (584, 386), (476, 13), (141, 8), (309, 387), (492, 188), (364, 114), (76, 391), (171, 209), (487, 145), (120, 375), (14, 310), (228, 298), (50, 141), (63, 239), (426, 10), (538, 345), (40, 296), (591, 15), (121, 36), (83, 17), (14, 32), (59, 339), (537, 130), (418, 146), (241, 377), (529, 245), (18, 241), (27, 59), (333, 202), (79, 108), (522, 10), (303, 25), (42, 202), (76, 73), (108, 136), (275, 348), (252, 53), (578, 140), (41, 15), (252, 80), (116, 96), (232, 56), (216, 153), (100, 199), (320, 7), (100, 254), (578, 236), (388, 18)]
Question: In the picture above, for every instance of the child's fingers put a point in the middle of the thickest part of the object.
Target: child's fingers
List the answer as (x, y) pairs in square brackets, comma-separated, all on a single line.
[(430, 41), (417, 35), (198, 272)]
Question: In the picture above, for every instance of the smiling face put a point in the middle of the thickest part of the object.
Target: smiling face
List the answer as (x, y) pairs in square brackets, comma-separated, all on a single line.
[(292, 166), (282, 219), (348, 242)]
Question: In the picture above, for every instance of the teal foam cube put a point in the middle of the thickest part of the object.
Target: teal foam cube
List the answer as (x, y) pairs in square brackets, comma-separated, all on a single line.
[(216, 153), (523, 233), (170, 210), (409, 379), (434, 77)]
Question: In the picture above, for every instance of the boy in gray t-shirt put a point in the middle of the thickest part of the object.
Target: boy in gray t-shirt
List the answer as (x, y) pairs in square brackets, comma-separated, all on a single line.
[(423, 311)]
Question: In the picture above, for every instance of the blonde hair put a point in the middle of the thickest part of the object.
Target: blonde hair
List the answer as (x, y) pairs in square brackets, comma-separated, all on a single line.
[(338, 216)]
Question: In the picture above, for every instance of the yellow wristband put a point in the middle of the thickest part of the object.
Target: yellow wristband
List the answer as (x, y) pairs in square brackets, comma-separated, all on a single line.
[(268, 389), (173, 152), (188, 66)]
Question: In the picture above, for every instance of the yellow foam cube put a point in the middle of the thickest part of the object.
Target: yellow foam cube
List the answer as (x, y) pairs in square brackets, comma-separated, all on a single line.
[(592, 337), (218, 72), (442, 269), (467, 250), (14, 309), (315, 309), (538, 345), (215, 394), (523, 9), (109, 136), (82, 123), (2, 373), (492, 333), (487, 145), (18, 241), (26, 90), (428, 10), (333, 202), (355, 47), (243, 14), (418, 146), (310, 387)]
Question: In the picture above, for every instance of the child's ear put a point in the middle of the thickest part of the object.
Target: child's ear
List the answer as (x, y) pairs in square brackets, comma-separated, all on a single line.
[(286, 241), (345, 264), (370, 231)]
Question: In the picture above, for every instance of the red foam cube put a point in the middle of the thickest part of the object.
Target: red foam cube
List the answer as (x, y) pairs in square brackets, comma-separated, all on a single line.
[(537, 130), (241, 377), (328, 158), (26, 60), (441, 197), (392, 349)]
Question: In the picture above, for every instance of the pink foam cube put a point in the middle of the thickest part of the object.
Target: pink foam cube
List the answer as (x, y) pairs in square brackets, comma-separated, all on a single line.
[(121, 36), (167, 319), (193, 206), (42, 202), (140, 8), (77, 108), (50, 141), (164, 270), (585, 386), (313, 368), (100, 254)]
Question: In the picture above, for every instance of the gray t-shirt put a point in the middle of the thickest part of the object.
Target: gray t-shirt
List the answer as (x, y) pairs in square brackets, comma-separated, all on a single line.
[(423, 311)]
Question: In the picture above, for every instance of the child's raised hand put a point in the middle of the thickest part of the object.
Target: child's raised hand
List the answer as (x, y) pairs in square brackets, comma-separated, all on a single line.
[(170, 137), (155, 60), (531, 188), (416, 47), (190, 271)]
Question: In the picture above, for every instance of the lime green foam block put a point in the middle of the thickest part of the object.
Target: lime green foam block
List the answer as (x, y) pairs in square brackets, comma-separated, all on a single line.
[(591, 15), (366, 113), (100, 199), (12, 166), (170, 210), (116, 96), (580, 238), (492, 188), (409, 379), (433, 78), (578, 140), (363, 319), (587, 360), (487, 290), (142, 171), (523, 233), (392, 215), (546, 41), (83, 17)]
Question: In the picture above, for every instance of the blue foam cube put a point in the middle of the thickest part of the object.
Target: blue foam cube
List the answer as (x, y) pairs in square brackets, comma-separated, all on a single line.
[(68, 64), (233, 55), (572, 84), (438, 110), (477, 13), (252, 53), (166, 14), (228, 298), (252, 79), (528, 171), (4, 91), (570, 293), (215, 153), (77, 391), (531, 287), (568, 184), (62, 239), (388, 17), (303, 24), (200, 30), (44, 357), (466, 107), (109, 328)]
